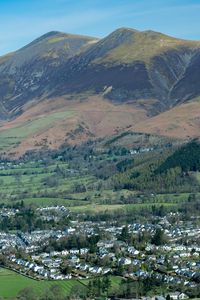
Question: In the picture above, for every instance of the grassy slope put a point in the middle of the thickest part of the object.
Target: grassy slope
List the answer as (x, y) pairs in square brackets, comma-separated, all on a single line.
[(142, 46), (56, 121), (12, 136)]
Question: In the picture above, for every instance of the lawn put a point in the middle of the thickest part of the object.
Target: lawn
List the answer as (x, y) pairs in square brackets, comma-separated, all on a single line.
[(28, 183), (11, 283)]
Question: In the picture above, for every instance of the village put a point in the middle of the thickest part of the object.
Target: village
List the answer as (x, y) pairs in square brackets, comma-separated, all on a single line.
[(161, 250)]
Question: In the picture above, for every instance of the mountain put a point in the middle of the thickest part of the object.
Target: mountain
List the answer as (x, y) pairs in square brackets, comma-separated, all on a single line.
[(25, 74), (132, 66), (128, 65), (65, 88)]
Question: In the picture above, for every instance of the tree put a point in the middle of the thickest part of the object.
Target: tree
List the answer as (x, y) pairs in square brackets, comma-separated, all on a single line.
[(125, 236), (57, 292), (78, 291), (27, 294), (66, 268), (159, 237), (52, 293), (106, 284)]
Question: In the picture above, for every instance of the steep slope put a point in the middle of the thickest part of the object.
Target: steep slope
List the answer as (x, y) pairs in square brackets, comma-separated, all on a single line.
[(24, 75), (129, 65), (147, 67)]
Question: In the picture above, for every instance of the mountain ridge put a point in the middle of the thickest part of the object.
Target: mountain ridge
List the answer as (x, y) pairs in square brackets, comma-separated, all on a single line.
[(148, 72)]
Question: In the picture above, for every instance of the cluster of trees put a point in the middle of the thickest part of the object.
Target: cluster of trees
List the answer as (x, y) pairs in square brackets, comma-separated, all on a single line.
[(99, 286), (187, 158), (158, 174), (102, 287), (73, 242), (51, 293), (27, 220)]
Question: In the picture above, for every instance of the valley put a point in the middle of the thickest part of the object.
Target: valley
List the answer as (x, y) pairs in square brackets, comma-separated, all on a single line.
[(100, 167), (81, 214)]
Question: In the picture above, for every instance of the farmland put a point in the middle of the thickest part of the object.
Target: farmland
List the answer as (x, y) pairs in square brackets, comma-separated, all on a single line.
[(27, 182), (44, 182)]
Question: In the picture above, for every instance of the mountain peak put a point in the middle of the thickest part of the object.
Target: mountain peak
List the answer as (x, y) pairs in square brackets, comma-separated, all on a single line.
[(50, 34), (126, 29)]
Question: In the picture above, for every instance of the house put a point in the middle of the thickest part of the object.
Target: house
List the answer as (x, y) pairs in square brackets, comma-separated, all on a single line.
[(84, 251), (106, 270), (64, 253), (84, 267), (74, 251), (124, 261), (95, 270), (178, 296), (160, 298), (133, 251), (74, 259)]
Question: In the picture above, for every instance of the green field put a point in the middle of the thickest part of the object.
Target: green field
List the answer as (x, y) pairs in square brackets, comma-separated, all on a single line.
[(97, 208), (26, 182), (11, 283)]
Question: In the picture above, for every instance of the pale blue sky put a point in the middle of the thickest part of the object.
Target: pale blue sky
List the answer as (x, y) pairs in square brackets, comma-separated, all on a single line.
[(21, 21)]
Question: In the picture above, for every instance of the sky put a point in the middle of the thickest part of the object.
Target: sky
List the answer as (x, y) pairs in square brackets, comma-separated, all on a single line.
[(21, 21)]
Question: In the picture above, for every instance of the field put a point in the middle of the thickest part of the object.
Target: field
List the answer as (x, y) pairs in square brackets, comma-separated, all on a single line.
[(98, 208), (11, 283), (27, 182), (40, 185)]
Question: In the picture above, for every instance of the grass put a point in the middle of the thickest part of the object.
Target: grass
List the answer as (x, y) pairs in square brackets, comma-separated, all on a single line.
[(30, 188), (54, 201), (31, 185), (13, 136), (172, 198), (56, 39), (11, 283), (198, 176), (143, 46), (27, 182), (98, 208)]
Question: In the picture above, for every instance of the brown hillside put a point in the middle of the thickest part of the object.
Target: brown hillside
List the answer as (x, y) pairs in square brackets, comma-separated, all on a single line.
[(182, 122), (92, 118)]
